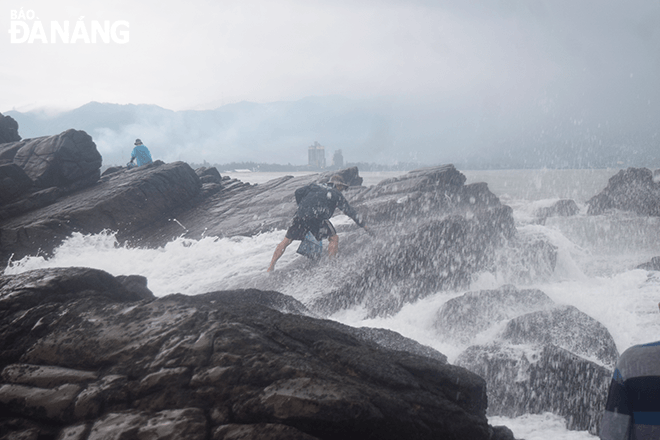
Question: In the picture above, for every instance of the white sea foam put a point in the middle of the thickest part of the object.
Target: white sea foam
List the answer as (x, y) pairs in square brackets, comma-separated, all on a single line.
[(595, 271)]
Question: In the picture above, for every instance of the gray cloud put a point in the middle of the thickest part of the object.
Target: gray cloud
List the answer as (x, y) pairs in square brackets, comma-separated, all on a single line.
[(456, 79)]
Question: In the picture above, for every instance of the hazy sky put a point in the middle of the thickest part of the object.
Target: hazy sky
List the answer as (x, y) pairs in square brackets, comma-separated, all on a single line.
[(511, 62), (201, 54)]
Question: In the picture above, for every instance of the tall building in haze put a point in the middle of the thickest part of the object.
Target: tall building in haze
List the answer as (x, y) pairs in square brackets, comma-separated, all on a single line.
[(338, 159), (316, 155)]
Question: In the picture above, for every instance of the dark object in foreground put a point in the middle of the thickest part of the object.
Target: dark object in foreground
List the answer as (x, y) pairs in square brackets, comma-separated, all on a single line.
[(86, 355)]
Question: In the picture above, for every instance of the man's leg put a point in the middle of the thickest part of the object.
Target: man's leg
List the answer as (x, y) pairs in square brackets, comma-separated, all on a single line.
[(333, 245), (279, 250)]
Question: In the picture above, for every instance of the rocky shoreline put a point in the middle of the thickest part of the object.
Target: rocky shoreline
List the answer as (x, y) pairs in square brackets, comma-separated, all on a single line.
[(86, 355)]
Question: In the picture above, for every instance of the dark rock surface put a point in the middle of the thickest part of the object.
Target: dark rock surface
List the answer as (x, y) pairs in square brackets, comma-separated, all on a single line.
[(8, 129), (535, 356), (127, 201), (654, 264), (13, 183), (84, 357), (561, 208), (541, 378), (461, 319), (68, 160), (633, 189), (430, 231)]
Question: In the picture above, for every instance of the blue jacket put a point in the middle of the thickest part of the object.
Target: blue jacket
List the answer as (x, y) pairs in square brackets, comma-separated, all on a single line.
[(142, 154), (632, 411)]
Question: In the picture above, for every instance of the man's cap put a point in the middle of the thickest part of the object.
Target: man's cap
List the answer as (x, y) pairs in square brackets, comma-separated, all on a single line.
[(138, 142), (338, 181)]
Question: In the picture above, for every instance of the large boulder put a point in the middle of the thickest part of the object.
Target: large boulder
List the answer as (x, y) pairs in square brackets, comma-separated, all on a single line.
[(126, 201), (8, 129), (535, 379), (561, 208), (461, 319), (633, 190), (535, 356), (68, 160), (84, 358)]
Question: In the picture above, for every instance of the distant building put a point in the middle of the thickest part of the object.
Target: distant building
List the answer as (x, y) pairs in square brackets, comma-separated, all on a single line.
[(338, 159), (316, 155)]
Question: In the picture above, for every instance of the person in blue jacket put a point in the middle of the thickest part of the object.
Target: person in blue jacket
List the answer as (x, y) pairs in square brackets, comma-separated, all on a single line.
[(632, 411), (316, 204), (141, 154)]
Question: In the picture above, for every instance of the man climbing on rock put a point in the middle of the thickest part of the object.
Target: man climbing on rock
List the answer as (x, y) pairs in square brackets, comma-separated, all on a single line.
[(141, 153), (316, 204)]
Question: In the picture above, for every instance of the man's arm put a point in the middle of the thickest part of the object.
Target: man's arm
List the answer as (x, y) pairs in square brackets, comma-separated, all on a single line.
[(347, 209)]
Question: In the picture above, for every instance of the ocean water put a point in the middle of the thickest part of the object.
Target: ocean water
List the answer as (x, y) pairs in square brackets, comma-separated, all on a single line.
[(595, 269)]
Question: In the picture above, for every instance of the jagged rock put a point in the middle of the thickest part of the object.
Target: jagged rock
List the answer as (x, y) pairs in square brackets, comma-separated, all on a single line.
[(561, 208), (8, 129), (35, 200), (263, 431), (461, 319), (632, 190), (209, 175), (566, 327), (654, 264), (430, 231), (136, 284), (68, 160), (127, 201), (534, 379), (111, 170), (13, 182), (215, 366), (525, 259), (557, 360)]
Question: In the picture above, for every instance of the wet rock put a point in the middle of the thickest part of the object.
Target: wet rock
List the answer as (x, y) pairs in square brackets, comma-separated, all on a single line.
[(525, 259), (430, 231), (654, 264), (463, 318), (44, 376), (68, 160), (128, 201), (566, 327), (212, 366), (136, 284), (561, 208), (39, 403), (262, 431), (30, 202), (633, 189), (8, 129), (556, 359), (209, 175), (13, 182), (535, 379)]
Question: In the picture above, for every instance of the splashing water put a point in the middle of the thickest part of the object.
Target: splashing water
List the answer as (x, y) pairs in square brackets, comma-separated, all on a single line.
[(595, 270)]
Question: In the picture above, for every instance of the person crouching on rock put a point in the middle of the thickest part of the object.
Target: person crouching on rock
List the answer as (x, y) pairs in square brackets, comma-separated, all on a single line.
[(316, 204), (141, 153)]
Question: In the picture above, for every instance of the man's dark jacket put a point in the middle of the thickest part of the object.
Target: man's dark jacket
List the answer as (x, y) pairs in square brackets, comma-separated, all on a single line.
[(320, 201)]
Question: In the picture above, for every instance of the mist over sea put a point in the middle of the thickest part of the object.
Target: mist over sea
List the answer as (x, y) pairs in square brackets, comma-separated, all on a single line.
[(595, 271)]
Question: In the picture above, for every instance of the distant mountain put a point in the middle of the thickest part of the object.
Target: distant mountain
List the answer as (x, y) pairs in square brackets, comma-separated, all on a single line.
[(385, 131), (278, 132)]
